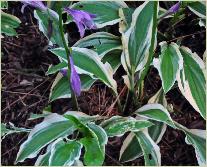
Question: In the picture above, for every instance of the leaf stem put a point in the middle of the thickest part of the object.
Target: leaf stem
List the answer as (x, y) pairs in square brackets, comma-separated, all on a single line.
[(128, 102), (68, 53)]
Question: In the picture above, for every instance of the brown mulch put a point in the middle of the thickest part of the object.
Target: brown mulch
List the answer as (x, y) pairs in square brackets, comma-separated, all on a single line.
[(25, 90)]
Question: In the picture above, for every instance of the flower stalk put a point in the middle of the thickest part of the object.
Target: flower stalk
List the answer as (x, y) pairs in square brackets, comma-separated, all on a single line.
[(68, 53)]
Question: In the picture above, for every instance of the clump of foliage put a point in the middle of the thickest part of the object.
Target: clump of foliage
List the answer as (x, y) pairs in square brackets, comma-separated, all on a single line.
[(97, 57)]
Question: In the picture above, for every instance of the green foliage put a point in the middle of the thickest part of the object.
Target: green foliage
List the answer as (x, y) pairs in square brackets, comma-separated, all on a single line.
[(191, 80), (54, 4), (196, 138), (199, 8), (155, 112), (137, 38), (48, 24), (64, 153), (9, 23), (75, 136), (54, 129), (118, 126), (149, 148), (101, 42), (169, 63)]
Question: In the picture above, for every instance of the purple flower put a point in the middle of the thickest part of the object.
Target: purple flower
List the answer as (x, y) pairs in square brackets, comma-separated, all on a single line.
[(83, 20), (74, 78), (35, 4), (64, 72), (174, 8)]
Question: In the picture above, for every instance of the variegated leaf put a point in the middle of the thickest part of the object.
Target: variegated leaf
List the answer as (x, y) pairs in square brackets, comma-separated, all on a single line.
[(53, 127), (118, 126), (91, 142), (43, 160), (155, 112), (56, 68), (150, 149), (9, 23), (6, 130), (82, 116), (157, 131), (131, 149), (191, 80), (199, 8), (126, 18), (101, 42), (49, 20), (100, 133), (136, 40), (169, 64), (196, 138), (113, 58), (64, 153)]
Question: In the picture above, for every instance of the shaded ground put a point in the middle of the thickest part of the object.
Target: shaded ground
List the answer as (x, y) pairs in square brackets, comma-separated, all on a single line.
[(25, 90)]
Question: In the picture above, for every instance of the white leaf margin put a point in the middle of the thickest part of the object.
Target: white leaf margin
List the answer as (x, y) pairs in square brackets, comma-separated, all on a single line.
[(126, 36), (155, 146), (196, 12), (100, 34), (125, 144), (151, 107), (53, 149), (157, 61), (50, 119), (197, 132), (155, 99), (185, 88), (40, 158)]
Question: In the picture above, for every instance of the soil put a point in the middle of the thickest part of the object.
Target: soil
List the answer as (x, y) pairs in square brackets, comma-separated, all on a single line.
[(25, 89)]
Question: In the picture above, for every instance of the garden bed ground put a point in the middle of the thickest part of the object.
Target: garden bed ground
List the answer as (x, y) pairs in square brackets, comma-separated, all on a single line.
[(25, 90)]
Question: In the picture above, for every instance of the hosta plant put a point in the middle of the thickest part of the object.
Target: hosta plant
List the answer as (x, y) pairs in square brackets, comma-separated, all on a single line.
[(75, 138)]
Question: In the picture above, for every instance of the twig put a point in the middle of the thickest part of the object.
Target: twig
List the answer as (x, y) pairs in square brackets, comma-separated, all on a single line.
[(26, 74), (22, 69), (117, 98), (35, 27), (12, 44), (22, 101), (7, 91), (185, 36), (36, 103), (14, 146), (25, 94), (117, 162)]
